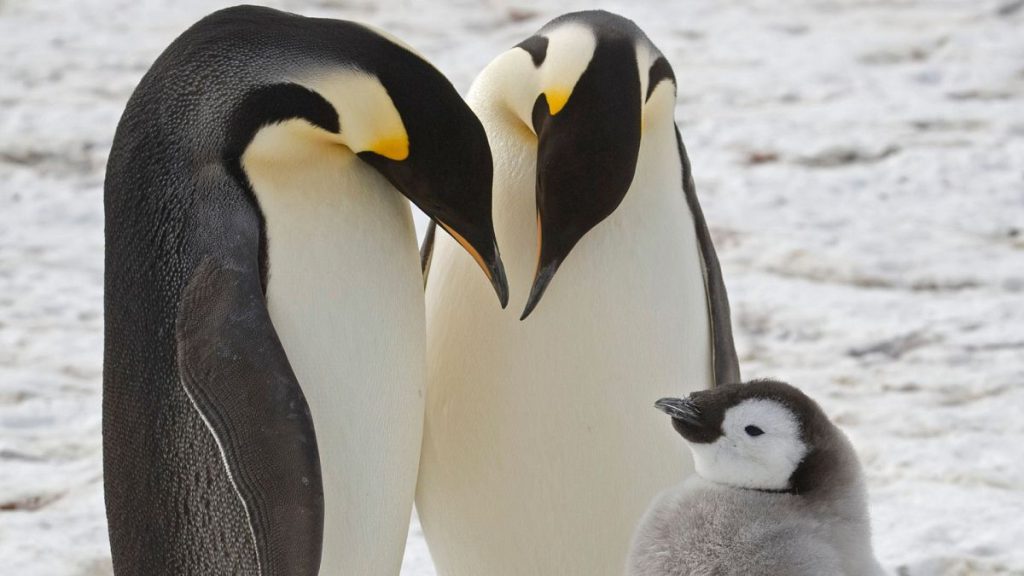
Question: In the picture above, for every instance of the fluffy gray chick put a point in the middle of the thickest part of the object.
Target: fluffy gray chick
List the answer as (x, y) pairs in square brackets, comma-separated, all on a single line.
[(778, 491)]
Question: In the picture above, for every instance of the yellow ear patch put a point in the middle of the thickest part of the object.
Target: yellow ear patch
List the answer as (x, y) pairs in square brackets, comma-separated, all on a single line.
[(570, 49), (369, 119), (394, 148), (557, 97)]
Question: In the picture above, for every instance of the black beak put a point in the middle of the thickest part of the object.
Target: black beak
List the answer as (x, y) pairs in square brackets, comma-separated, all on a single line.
[(692, 421), (496, 274), (486, 254), (682, 409), (545, 272)]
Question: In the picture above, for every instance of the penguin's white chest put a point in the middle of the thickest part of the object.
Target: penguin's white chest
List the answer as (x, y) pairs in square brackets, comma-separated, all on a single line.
[(345, 296), (542, 448)]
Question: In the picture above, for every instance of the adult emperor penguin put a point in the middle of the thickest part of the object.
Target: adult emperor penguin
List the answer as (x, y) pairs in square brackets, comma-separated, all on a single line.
[(778, 490), (537, 457), (263, 281)]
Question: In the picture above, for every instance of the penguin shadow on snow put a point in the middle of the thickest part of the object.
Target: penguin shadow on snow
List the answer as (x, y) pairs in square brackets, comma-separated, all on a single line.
[(778, 490)]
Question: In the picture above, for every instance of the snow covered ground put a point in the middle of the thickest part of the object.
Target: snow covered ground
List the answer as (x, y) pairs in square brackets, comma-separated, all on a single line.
[(861, 165)]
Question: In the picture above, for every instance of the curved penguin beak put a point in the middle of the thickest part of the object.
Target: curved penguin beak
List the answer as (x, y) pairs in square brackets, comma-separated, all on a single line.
[(456, 195), (495, 271), (485, 253), (694, 419), (586, 156), (682, 409)]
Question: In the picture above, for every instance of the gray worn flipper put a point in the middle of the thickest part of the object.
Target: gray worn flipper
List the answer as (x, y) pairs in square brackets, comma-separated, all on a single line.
[(725, 364), (235, 371), (427, 250)]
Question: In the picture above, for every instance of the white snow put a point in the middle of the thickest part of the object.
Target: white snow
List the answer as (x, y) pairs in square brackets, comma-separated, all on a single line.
[(861, 165)]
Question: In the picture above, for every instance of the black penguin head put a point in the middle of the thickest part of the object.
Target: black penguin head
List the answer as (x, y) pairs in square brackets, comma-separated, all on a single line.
[(578, 89), (380, 100), (448, 171), (763, 435)]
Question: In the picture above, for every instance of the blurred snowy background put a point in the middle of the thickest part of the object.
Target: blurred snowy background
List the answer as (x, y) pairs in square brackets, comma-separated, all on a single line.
[(861, 164)]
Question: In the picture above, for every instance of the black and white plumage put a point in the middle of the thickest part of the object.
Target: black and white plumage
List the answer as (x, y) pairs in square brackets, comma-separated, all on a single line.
[(264, 359), (537, 458), (778, 491)]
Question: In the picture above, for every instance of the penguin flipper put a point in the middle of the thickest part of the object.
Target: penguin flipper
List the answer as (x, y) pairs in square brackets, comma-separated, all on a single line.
[(235, 371), (725, 363), (427, 250)]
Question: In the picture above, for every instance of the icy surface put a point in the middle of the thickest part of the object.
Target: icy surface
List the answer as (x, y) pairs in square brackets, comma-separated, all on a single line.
[(861, 165)]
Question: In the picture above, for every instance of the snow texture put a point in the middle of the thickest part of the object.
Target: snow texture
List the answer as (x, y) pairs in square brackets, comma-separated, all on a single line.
[(861, 165)]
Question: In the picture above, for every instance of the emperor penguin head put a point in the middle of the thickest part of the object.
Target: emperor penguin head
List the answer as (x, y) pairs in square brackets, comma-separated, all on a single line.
[(370, 96), (763, 435), (580, 91)]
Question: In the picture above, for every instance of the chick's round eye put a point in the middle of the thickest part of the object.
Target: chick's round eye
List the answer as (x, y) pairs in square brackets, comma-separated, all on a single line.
[(753, 430)]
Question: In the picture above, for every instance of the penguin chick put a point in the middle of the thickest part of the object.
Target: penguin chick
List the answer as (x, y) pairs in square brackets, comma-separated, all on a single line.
[(778, 491)]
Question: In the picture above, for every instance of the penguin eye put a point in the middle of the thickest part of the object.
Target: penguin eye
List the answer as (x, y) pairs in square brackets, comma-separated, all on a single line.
[(753, 430)]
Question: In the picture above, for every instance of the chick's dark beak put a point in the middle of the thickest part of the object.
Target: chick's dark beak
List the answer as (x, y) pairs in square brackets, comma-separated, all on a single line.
[(682, 409), (694, 419)]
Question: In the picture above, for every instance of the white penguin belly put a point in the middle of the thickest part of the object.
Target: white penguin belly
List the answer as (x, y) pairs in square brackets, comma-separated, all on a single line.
[(345, 296), (542, 449)]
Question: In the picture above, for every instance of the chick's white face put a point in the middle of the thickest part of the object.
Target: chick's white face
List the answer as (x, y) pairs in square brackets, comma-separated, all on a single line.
[(760, 447)]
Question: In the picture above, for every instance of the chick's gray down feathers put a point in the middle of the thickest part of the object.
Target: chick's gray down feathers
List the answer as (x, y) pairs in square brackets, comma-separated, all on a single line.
[(820, 527)]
